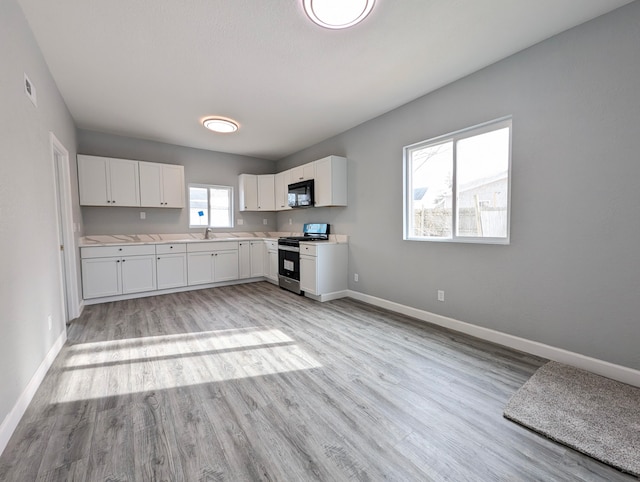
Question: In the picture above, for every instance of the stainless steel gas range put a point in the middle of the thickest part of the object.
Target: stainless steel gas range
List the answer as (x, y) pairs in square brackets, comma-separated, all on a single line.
[(289, 254)]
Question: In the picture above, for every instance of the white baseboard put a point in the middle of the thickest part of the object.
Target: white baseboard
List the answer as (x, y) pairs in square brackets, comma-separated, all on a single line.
[(335, 295), (10, 422), (594, 365)]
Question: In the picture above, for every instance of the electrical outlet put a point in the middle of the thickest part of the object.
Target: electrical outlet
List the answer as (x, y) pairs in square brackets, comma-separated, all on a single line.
[(50, 321), (440, 295), (143, 215), (355, 277), (240, 221), (265, 221), (290, 221)]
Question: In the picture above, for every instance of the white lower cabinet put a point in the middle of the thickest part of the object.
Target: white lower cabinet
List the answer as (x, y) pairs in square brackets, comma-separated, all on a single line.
[(251, 259), (212, 262), (271, 261), (309, 274), (114, 271), (110, 271), (171, 265), (257, 258), (225, 265), (244, 260), (323, 268), (100, 277)]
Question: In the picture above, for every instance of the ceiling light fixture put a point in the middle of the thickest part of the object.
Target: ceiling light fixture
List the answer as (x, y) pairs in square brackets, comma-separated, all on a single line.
[(337, 13), (221, 125)]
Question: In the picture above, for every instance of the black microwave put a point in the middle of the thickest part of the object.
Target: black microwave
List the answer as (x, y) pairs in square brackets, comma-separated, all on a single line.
[(301, 194)]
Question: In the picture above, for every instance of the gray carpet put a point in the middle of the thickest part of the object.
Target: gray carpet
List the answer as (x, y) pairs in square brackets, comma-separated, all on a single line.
[(597, 416)]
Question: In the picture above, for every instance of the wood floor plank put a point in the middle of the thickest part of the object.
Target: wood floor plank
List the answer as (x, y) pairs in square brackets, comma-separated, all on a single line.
[(251, 382)]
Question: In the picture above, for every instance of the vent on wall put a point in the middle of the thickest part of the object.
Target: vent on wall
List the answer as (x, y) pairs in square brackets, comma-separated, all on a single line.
[(30, 90)]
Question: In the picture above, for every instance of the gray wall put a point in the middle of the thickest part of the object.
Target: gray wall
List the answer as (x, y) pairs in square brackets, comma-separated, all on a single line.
[(30, 287), (571, 276), (200, 166)]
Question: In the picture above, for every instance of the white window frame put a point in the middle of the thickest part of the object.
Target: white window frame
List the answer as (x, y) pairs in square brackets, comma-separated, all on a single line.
[(208, 187), (489, 126)]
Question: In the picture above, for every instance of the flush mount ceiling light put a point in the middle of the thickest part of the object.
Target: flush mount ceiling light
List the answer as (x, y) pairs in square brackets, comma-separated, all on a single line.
[(219, 124), (337, 13)]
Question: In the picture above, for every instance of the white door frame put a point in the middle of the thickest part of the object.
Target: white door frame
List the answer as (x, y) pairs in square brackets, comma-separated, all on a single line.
[(63, 187)]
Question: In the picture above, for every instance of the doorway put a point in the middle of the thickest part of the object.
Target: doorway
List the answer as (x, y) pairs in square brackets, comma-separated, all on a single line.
[(66, 239)]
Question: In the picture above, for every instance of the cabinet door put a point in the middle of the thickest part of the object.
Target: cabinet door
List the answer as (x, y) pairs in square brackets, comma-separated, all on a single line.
[(150, 185), (266, 192), (281, 182), (322, 185), (225, 265), (244, 259), (199, 268), (173, 186), (273, 265), (303, 173), (257, 258), (92, 181), (171, 270), (100, 277), (138, 274), (125, 182), (248, 192), (331, 182), (308, 274)]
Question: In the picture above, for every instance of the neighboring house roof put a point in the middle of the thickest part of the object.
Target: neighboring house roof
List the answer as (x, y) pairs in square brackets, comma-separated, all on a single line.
[(483, 182)]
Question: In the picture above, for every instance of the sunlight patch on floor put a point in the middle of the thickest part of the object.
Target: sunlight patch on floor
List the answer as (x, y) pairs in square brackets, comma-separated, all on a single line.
[(167, 345), (120, 367)]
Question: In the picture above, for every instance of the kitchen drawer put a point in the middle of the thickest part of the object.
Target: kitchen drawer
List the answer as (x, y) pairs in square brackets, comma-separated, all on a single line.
[(308, 248), (272, 245), (171, 248), (212, 246), (114, 251)]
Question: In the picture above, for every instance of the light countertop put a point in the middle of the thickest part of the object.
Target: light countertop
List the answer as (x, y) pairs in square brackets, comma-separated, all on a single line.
[(136, 239)]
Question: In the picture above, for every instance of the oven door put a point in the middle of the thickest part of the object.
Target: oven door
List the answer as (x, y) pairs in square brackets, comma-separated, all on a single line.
[(289, 262)]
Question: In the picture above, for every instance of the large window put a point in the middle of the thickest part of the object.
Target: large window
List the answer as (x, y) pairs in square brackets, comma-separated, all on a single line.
[(457, 186), (210, 206)]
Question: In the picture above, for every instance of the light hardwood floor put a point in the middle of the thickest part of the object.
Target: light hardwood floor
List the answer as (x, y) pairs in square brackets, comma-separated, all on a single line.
[(250, 382)]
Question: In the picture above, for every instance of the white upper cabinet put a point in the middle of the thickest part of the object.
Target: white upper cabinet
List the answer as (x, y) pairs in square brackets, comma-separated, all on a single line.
[(248, 192), (266, 192), (330, 183), (270, 192), (302, 173), (161, 185), (282, 190), (257, 192), (105, 181)]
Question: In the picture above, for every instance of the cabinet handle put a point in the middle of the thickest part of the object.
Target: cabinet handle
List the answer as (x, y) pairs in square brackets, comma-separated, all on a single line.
[(113, 202), (158, 258), (170, 247), (119, 249), (117, 261), (123, 260)]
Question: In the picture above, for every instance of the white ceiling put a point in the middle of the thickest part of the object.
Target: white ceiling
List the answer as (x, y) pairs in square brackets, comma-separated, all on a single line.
[(153, 69)]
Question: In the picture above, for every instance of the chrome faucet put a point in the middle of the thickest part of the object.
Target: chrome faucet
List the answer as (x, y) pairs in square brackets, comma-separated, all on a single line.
[(207, 232)]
